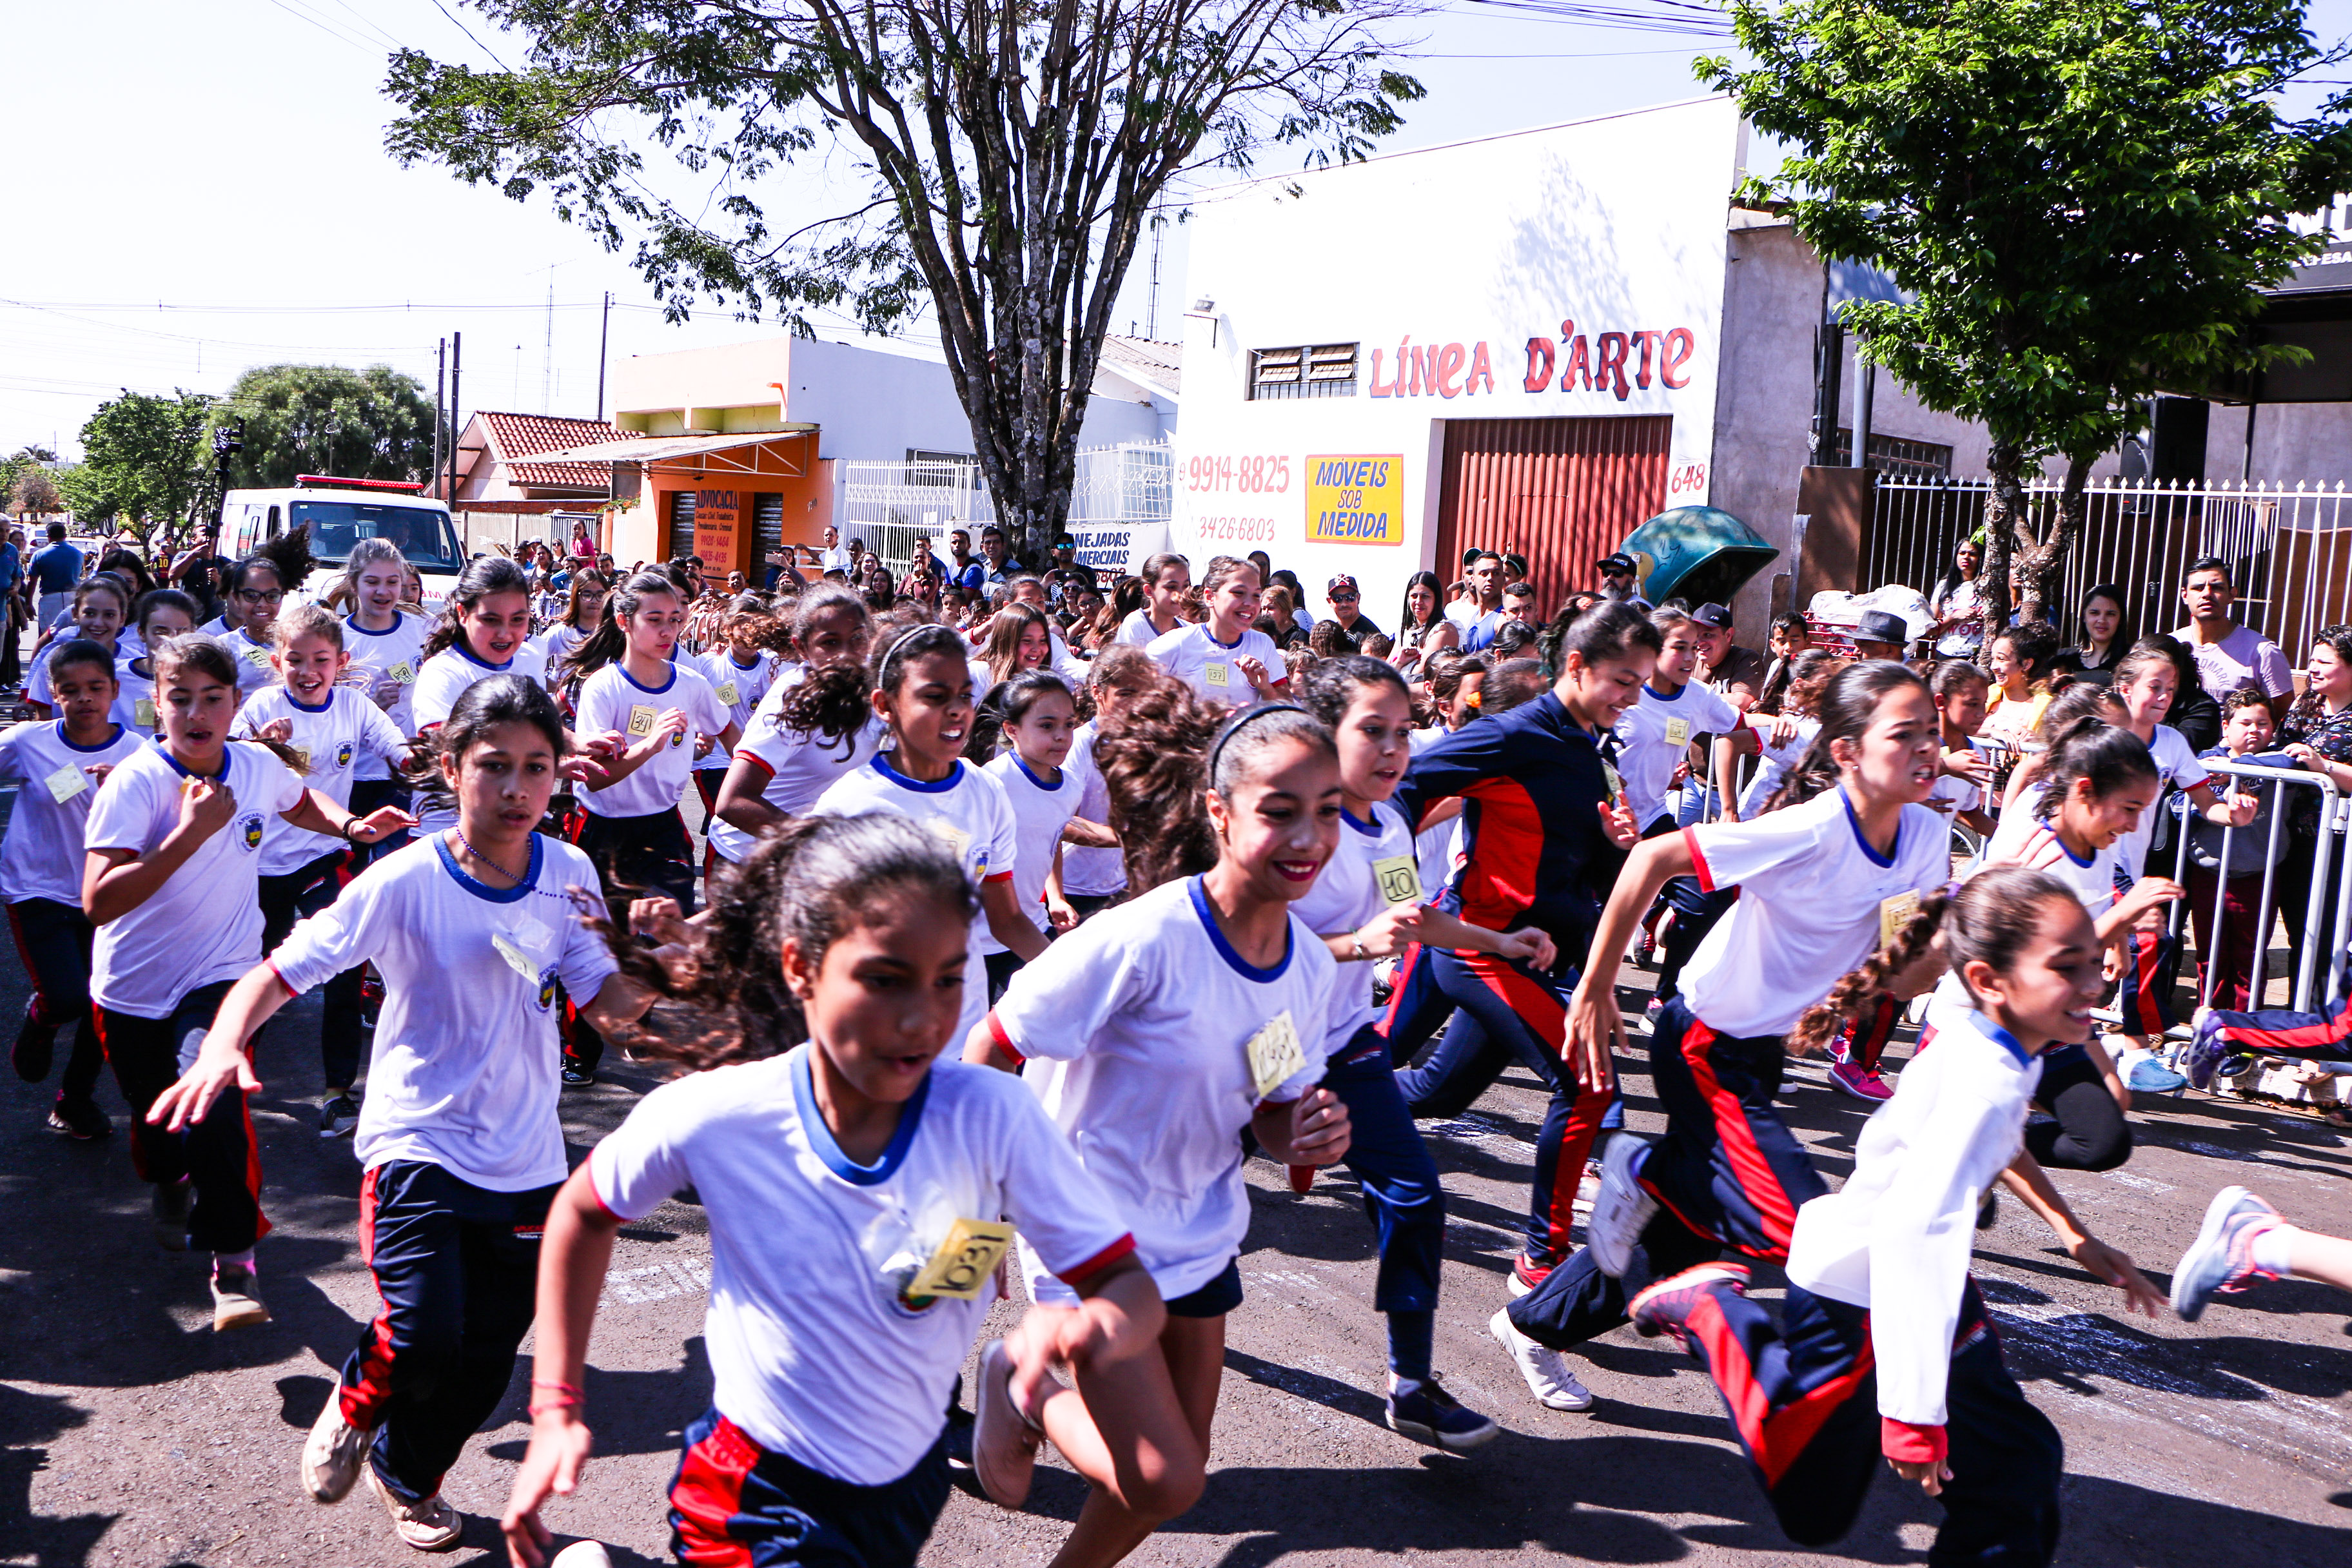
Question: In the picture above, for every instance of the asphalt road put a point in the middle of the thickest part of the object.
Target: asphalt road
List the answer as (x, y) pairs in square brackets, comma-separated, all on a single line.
[(131, 1434)]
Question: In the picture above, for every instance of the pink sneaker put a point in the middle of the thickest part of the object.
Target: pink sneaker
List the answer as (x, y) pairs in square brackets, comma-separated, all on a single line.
[(1861, 1083)]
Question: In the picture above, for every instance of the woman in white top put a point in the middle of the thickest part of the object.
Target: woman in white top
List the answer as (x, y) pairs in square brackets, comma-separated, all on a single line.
[(172, 881), (60, 763), (1160, 1030), (1956, 601), (1883, 1349), (1166, 580), (858, 1195), (472, 928), (1224, 659), (331, 728), (386, 645), (922, 693)]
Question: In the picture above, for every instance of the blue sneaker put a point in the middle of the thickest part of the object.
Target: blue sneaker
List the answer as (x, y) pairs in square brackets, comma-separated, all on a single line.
[(1427, 1413), (2149, 1075), (1620, 1208), (1665, 1307), (2221, 1261)]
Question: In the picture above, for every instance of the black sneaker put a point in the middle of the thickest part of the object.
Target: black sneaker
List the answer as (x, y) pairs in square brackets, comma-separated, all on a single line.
[(1431, 1415), (80, 1119), (169, 1202), (35, 1045), (337, 1117), (576, 1076)]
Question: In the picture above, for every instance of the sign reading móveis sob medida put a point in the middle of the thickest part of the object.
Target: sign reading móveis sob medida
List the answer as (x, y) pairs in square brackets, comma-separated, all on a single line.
[(1355, 499)]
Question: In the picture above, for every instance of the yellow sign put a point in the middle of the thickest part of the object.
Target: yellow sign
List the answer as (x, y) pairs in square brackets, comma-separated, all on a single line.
[(1355, 501)]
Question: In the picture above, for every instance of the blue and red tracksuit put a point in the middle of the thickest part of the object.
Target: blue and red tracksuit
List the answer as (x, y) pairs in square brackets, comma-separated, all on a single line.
[(1802, 1398), (457, 1266), (733, 1504), (1537, 854), (2305, 1036)]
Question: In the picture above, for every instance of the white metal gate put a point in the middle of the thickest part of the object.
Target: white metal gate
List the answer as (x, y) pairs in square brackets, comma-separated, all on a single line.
[(1120, 503)]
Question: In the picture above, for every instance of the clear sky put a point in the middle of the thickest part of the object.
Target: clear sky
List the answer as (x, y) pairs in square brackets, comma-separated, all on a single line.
[(200, 188)]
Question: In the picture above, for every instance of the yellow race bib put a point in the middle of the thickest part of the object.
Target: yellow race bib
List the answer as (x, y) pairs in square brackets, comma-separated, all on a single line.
[(1275, 1057), (728, 695), (641, 721), (1216, 674), (1398, 878), (1678, 732), (67, 783), (1893, 914), (962, 1265)]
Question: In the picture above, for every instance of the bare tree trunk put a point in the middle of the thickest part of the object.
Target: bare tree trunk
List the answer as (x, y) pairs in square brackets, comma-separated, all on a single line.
[(2042, 565), (2004, 509)]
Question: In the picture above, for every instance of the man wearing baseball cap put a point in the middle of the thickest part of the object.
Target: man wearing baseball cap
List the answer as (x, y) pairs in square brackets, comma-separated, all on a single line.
[(1617, 580), (1347, 608), (1736, 674)]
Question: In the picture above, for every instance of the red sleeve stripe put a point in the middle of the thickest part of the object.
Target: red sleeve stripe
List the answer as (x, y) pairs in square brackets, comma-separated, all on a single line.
[(756, 759), (589, 1169), (276, 974), (1698, 860), (1004, 1041), (998, 876), (1911, 1443), (1122, 1247)]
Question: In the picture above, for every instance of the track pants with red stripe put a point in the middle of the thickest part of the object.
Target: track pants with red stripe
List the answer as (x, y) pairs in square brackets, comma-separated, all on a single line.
[(1803, 1401), (2151, 972), (55, 940), (1728, 1167), (2308, 1036), (296, 896), (732, 1504), (217, 1155), (1525, 1012), (457, 1266)]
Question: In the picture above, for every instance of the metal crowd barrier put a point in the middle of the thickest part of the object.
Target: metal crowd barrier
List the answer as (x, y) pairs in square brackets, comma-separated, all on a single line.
[(2320, 932)]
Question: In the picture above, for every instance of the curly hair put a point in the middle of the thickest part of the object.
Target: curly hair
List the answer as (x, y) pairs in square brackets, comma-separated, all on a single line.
[(809, 882)]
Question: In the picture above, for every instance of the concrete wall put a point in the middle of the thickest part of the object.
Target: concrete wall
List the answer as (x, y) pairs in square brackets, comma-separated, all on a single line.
[(2292, 442)]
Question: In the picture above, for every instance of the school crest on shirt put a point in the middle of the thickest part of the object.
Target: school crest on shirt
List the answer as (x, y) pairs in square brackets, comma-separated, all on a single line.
[(547, 988), (248, 829), (344, 755)]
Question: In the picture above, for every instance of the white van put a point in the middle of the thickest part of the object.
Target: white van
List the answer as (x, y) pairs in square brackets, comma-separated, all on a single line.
[(341, 512)]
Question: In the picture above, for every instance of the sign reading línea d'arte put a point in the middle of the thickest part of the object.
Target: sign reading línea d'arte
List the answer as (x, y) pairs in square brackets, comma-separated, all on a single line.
[(1355, 499)]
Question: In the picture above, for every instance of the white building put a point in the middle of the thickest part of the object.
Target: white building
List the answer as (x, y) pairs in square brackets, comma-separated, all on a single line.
[(1533, 342)]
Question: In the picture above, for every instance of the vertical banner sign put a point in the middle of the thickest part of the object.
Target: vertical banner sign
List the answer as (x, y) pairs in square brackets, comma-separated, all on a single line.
[(1355, 501), (716, 514)]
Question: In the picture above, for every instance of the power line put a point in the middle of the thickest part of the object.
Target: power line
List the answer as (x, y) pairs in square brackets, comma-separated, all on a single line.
[(306, 16), (469, 33)]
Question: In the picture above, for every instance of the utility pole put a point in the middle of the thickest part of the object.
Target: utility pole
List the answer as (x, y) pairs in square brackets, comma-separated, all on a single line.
[(440, 402), (457, 367), (603, 336), (547, 365), (1151, 308)]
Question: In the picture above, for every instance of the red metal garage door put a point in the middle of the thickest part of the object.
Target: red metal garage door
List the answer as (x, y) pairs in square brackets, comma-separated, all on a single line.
[(1561, 493)]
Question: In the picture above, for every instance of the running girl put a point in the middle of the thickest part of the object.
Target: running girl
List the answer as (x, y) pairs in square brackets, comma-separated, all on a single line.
[(1822, 878), (584, 613), (1541, 840), (253, 590), (1018, 641), (922, 694), (1225, 657), (1094, 874), (172, 881), (330, 727), (1884, 1347), (740, 669), (386, 645), (163, 615), (61, 762), (1160, 1030), (471, 928), (99, 606), (484, 630), (854, 1191), (1043, 789), (1367, 905), (1166, 580), (816, 723), (1960, 689)]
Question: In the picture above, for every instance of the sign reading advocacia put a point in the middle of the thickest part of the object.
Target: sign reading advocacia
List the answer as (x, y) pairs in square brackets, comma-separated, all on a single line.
[(1355, 501)]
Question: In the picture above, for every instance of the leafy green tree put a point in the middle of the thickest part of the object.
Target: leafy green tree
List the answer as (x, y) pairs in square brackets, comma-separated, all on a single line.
[(2082, 196), (372, 424), (141, 461), (1015, 153)]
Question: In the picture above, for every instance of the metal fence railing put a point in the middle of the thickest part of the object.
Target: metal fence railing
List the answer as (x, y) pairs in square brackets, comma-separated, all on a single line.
[(1117, 491), (2290, 548), (2321, 922)]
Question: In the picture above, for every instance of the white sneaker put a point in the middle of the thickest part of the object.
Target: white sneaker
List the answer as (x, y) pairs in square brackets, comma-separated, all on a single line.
[(1620, 1208), (1546, 1370), (1004, 1441), (582, 1554), (430, 1525), (333, 1453)]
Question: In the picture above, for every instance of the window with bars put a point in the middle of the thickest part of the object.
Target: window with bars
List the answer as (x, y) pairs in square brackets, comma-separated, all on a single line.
[(1319, 370), (681, 524), (767, 529), (943, 469), (1896, 455)]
